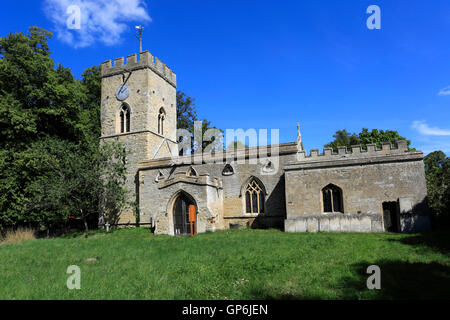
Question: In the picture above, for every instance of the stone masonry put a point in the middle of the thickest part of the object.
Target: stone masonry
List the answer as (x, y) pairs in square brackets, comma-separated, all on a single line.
[(152, 87), (291, 194), (367, 177)]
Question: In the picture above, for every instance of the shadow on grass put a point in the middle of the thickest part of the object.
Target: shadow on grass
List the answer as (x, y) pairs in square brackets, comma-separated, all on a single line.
[(401, 280), (438, 241), (261, 295)]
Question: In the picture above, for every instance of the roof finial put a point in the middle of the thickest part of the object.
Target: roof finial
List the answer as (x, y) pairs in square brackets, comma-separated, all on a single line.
[(299, 139)]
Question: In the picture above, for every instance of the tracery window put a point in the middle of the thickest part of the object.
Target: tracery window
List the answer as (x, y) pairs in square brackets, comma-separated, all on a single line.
[(254, 198), (332, 199)]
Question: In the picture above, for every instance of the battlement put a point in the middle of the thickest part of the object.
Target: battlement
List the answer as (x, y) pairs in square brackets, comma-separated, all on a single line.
[(146, 60), (355, 155), (355, 151)]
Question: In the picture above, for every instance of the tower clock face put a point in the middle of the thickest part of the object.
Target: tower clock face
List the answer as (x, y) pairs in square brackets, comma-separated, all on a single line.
[(122, 92)]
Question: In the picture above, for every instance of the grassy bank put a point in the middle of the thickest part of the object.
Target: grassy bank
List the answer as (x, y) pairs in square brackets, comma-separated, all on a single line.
[(233, 264)]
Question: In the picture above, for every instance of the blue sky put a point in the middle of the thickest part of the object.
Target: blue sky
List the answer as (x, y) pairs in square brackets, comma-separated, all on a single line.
[(271, 64)]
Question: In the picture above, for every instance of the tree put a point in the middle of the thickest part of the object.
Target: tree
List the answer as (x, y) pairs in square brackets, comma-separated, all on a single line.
[(343, 138), (91, 83), (445, 216), (70, 182), (36, 101), (52, 167), (437, 171), (379, 136), (113, 194), (365, 137), (186, 112)]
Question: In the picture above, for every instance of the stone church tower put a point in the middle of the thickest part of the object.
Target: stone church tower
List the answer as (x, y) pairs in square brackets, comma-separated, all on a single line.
[(138, 108)]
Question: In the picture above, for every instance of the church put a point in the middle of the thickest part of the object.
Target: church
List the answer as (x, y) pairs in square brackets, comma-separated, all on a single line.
[(281, 186)]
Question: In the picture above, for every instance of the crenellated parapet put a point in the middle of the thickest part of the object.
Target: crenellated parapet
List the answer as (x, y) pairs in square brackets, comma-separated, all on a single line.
[(400, 147), (356, 155), (146, 60)]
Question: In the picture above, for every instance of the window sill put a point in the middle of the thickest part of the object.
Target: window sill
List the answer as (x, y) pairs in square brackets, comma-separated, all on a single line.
[(243, 216), (335, 212)]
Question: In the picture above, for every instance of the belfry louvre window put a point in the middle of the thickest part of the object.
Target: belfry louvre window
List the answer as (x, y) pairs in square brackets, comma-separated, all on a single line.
[(332, 199), (254, 198), (125, 119)]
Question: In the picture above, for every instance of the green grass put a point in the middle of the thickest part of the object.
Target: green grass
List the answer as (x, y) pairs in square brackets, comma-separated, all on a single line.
[(233, 264)]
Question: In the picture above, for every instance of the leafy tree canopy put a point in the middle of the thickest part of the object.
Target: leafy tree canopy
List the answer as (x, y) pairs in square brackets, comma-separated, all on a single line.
[(365, 137), (187, 116), (50, 158), (437, 171)]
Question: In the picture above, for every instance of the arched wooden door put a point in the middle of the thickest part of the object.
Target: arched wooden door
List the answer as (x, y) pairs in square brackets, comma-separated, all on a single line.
[(181, 218)]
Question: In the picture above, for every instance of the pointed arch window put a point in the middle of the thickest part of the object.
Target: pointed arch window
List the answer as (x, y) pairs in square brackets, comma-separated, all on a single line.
[(191, 172), (160, 176), (228, 170), (254, 198), (125, 115), (161, 118), (332, 199)]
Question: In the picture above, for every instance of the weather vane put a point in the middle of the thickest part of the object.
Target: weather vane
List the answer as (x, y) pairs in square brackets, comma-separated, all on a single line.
[(139, 36)]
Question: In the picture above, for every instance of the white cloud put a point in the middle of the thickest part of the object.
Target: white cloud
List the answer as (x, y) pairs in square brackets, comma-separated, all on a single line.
[(423, 128), (445, 91), (428, 148), (101, 20)]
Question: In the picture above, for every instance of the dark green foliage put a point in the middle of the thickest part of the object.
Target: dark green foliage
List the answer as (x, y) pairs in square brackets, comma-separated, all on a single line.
[(91, 84), (111, 193), (344, 138), (50, 159), (70, 181), (379, 136), (186, 112), (437, 170)]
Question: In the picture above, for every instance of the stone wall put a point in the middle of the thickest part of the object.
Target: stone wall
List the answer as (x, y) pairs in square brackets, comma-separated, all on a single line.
[(152, 86), (366, 178), (226, 204), (146, 61), (336, 222)]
